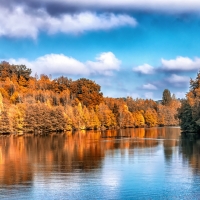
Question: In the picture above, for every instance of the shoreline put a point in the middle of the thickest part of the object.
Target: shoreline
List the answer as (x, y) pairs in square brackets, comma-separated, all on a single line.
[(74, 131)]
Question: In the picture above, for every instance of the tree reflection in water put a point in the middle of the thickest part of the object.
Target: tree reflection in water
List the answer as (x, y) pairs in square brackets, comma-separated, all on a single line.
[(83, 151), (190, 150)]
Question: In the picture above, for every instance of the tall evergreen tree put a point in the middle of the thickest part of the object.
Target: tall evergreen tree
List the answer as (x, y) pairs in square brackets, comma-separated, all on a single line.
[(166, 99)]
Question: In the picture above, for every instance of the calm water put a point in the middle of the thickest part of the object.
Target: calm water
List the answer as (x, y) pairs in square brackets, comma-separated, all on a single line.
[(127, 164)]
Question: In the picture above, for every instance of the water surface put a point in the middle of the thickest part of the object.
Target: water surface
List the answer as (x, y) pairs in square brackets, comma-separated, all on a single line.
[(139, 163)]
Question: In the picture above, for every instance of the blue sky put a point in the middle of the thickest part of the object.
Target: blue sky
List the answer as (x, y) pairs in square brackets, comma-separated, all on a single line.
[(131, 47)]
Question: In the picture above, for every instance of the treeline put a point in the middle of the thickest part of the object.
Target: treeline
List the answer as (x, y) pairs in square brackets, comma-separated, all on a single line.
[(189, 113), (41, 105)]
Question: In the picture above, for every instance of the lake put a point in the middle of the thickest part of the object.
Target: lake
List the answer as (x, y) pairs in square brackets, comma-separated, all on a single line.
[(153, 163)]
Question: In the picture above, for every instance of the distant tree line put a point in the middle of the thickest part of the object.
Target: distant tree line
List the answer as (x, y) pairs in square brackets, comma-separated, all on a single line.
[(41, 105)]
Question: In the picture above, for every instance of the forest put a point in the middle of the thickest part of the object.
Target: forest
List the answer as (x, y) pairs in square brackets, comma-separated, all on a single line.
[(40, 105)]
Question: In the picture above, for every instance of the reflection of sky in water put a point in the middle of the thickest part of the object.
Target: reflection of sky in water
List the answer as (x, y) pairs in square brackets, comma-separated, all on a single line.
[(108, 168)]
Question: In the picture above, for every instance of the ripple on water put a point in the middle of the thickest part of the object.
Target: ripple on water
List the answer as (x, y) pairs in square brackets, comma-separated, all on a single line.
[(152, 164)]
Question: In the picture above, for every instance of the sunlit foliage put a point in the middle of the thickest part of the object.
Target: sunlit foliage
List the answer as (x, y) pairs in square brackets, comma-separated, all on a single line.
[(40, 105)]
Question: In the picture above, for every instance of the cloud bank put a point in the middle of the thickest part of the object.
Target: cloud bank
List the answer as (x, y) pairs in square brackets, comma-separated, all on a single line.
[(152, 5), (18, 22), (144, 69), (106, 63), (149, 86), (172, 73), (181, 64), (178, 81)]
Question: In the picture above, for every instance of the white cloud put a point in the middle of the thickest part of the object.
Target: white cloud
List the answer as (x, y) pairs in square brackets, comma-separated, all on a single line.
[(144, 69), (181, 64), (149, 86), (54, 63), (178, 79), (105, 64), (17, 22)]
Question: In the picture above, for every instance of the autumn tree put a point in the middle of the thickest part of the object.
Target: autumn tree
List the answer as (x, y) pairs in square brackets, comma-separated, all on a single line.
[(105, 115), (124, 117), (78, 117), (5, 126), (60, 123), (16, 119), (87, 92), (1, 103), (40, 104), (94, 122), (7, 70), (138, 118), (150, 117), (64, 97)]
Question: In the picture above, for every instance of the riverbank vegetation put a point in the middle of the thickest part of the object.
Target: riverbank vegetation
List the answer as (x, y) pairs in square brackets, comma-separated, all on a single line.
[(41, 105), (189, 112)]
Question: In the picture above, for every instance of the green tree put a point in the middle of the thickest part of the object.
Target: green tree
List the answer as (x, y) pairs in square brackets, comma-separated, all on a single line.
[(185, 115), (166, 99), (189, 112)]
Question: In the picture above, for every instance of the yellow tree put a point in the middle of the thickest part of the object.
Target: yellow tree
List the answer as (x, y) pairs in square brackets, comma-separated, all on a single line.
[(150, 117), (138, 118), (94, 120), (1, 103), (125, 118), (22, 81), (78, 120), (5, 125), (65, 97), (4, 93), (69, 112), (86, 118), (105, 115), (15, 98), (17, 119)]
